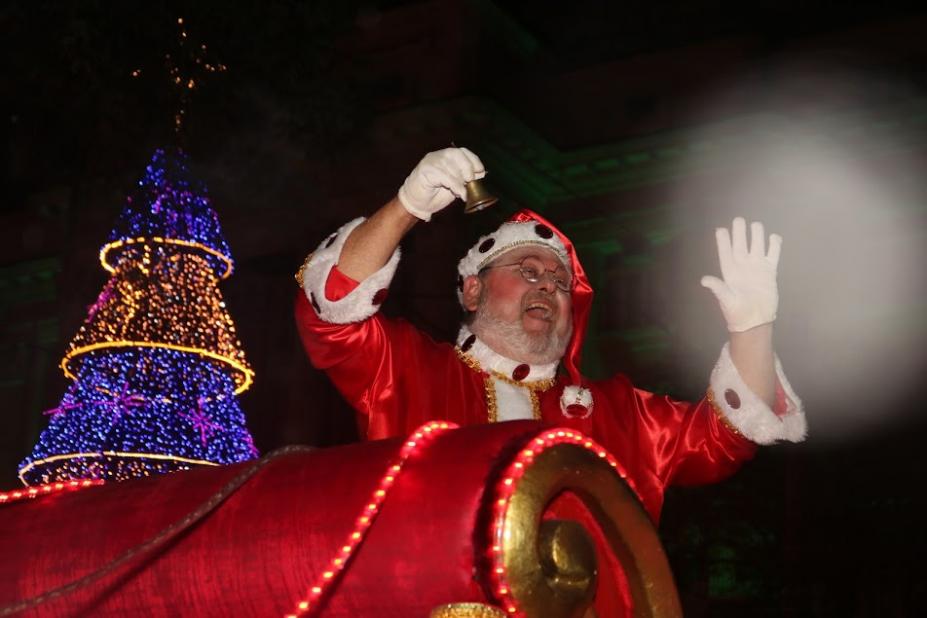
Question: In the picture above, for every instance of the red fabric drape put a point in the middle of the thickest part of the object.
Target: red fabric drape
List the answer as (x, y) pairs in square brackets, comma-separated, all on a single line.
[(256, 554)]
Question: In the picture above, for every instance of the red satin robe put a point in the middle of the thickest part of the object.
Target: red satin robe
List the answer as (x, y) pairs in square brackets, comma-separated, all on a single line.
[(397, 378)]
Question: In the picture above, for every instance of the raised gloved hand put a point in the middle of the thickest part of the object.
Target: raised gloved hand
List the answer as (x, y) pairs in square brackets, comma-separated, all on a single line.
[(748, 293), (437, 179)]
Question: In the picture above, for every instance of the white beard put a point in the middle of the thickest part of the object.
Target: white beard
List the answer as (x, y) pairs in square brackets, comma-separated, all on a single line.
[(510, 339)]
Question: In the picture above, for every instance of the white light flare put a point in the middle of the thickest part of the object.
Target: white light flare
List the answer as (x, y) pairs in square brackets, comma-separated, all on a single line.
[(847, 192)]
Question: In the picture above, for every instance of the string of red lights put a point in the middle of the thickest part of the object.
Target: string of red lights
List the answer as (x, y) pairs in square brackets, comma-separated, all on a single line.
[(422, 436), (507, 486), (36, 491)]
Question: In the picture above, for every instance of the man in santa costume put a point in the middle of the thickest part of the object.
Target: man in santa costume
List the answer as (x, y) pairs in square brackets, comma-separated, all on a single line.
[(527, 302)]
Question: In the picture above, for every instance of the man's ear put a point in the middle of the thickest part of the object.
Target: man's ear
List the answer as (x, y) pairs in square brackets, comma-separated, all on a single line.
[(472, 286)]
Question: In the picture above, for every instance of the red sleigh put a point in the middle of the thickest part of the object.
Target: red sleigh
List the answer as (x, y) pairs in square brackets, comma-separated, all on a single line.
[(534, 521)]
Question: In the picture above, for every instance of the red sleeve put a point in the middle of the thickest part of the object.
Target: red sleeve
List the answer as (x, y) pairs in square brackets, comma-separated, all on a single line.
[(338, 284), (705, 449), (661, 441), (679, 442), (368, 361)]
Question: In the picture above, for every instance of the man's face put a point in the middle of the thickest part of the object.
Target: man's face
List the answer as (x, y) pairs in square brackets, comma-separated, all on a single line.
[(528, 322)]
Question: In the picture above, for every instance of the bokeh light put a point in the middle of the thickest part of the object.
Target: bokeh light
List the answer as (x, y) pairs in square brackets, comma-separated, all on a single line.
[(839, 176)]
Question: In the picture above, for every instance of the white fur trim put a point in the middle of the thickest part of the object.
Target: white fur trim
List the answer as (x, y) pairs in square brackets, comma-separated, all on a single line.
[(510, 235), (356, 306), (574, 394), (753, 418), (513, 402), (490, 360)]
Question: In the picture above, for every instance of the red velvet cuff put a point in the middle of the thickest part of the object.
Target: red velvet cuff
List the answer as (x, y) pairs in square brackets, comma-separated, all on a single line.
[(338, 285), (781, 406)]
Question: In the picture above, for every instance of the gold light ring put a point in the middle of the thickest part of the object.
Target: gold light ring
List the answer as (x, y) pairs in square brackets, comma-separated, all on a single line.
[(547, 565), (187, 244), (242, 375), (89, 455)]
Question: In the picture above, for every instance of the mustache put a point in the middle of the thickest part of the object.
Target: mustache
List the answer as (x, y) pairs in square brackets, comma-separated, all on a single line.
[(535, 296), (533, 348)]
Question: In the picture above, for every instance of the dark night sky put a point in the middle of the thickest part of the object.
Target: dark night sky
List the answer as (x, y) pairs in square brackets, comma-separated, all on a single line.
[(72, 111)]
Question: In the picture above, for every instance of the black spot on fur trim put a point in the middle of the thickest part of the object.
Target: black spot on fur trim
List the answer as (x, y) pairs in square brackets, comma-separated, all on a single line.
[(543, 231)]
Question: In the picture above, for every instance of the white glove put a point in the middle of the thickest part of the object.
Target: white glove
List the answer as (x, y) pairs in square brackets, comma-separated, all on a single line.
[(748, 294), (437, 179)]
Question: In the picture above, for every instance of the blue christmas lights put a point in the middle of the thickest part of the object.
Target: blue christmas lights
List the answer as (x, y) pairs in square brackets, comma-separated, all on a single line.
[(157, 364), (131, 412), (169, 206)]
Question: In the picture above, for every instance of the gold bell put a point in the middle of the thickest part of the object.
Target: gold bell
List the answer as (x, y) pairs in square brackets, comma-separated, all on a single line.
[(466, 610), (478, 197)]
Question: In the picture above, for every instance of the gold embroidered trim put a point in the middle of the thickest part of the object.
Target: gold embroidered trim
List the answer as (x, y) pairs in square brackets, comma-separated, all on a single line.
[(535, 404), (492, 410), (472, 363), (710, 396), (302, 269)]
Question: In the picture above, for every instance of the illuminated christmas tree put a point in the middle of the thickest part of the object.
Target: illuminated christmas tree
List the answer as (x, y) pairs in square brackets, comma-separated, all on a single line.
[(157, 365)]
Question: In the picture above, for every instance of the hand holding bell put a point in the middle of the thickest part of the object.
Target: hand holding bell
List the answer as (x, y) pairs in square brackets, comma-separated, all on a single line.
[(442, 176)]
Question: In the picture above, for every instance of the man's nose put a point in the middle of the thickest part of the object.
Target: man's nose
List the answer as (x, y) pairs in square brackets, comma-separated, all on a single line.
[(546, 282)]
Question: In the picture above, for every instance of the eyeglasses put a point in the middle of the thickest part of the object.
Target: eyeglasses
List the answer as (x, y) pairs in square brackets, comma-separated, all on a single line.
[(532, 270)]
